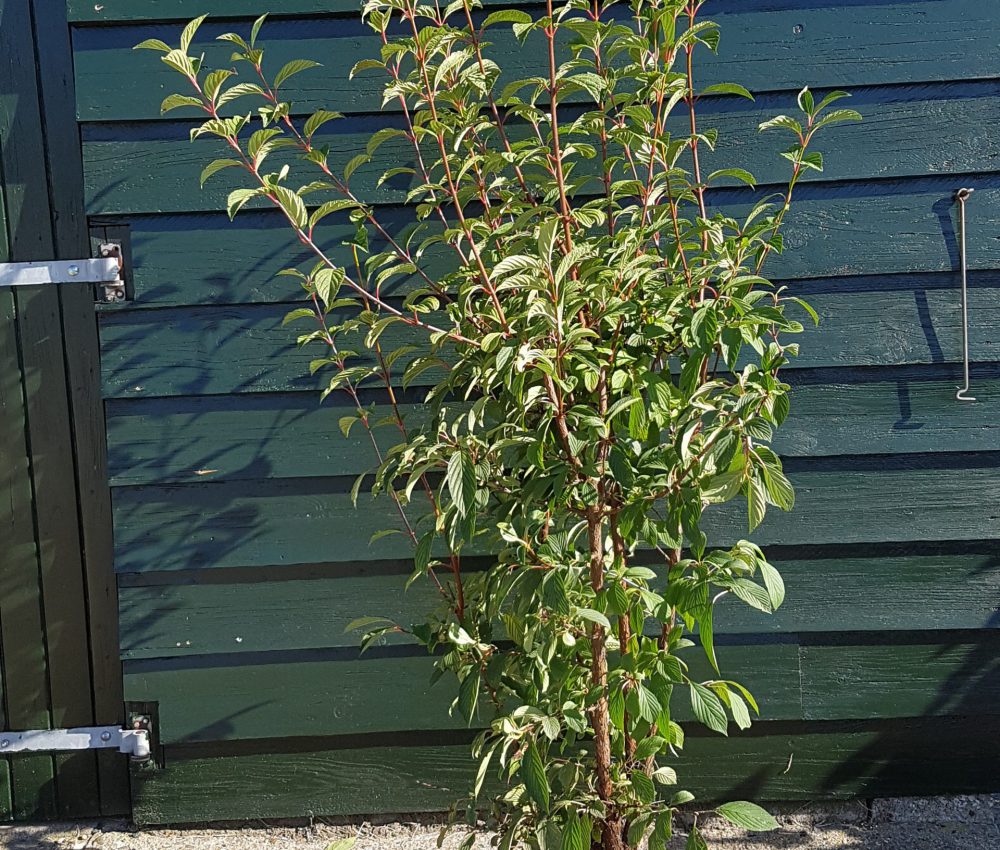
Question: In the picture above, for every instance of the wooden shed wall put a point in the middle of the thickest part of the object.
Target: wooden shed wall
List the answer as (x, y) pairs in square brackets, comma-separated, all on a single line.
[(239, 556)]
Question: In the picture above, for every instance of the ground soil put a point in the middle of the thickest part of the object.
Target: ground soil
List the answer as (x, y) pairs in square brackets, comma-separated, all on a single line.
[(946, 823)]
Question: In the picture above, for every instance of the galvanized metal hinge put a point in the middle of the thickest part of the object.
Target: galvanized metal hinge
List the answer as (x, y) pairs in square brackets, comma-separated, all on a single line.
[(133, 742), (107, 272)]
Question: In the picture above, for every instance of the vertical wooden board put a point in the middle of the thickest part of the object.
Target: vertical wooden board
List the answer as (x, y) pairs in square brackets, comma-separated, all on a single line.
[(58, 534), (32, 792), (86, 411), (29, 791)]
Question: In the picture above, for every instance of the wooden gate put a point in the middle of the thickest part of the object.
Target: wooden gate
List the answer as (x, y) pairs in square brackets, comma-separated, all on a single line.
[(58, 610)]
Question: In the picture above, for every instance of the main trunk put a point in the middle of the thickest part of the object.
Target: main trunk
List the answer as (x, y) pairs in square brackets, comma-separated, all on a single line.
[(611, 829)]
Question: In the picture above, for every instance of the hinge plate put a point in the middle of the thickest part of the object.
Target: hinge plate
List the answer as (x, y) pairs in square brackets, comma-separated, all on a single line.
[(96, 270), (133, 742)]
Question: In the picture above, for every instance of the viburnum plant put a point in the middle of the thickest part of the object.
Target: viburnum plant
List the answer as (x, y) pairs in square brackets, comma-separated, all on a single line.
[(603, 358)]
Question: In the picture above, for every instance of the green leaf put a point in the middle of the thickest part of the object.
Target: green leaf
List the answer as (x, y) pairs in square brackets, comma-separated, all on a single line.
[(681, 797), (254, 32), (187, 34), (665, 775), (708, 708), (752, 594), (593, 616), (468, 695), (649, 747), (695, 841), (354, 164), (533, 776), (649, 705), (643, 786), (317, 120), (774, 583), (366, 622), (238, 198), (728, 88), (806, 102), (289, 69), (216, 166), (838, 116), (779, 489), (830, 98), (748, 815), (176, 101), (153, 44), (507, 16), (784, 122), (574, 836), (293, 205), (461, 481), (706, 635), (740, 174), (756, 501), (298, 313)]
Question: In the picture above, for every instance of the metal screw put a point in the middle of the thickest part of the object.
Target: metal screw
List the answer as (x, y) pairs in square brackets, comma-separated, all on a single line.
[(105, 736), (4, 743), (73, 271), (797, 29)]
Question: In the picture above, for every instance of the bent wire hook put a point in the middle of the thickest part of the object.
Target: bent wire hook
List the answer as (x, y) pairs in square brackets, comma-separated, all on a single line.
[(962, 195)]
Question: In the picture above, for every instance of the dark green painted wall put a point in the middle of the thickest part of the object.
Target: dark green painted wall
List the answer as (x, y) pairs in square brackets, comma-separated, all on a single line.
[(239, 557)]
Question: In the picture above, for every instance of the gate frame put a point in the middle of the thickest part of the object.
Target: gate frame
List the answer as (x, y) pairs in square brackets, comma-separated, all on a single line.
[(59, 625)]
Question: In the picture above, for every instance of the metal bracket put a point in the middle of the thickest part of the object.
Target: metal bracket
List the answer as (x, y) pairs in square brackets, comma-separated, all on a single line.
[(106, 271), (132, 742)]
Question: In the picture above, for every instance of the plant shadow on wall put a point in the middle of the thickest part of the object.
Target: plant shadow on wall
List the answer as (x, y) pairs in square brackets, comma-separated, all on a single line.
[(611, 358), (958, 727)]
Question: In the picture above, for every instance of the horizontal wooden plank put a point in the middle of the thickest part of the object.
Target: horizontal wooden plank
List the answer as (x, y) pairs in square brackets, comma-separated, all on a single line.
[(310, 521), (227, 350), (202, 699), (906, 593), (211, 702), (861, 228), (198, 438), (135, 169), (855, 761), (938, 40), (956, 677)]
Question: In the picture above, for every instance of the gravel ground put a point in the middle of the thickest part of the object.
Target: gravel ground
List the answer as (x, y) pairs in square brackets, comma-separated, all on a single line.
[(946, 823)]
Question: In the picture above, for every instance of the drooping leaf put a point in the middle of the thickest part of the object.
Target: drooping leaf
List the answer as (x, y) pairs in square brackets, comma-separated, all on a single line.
[(533, 776), (748, 815), (461, 480), (708, 709)]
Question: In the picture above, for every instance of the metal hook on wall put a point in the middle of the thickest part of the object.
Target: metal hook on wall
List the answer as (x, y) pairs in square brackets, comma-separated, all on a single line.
[(962, 195)]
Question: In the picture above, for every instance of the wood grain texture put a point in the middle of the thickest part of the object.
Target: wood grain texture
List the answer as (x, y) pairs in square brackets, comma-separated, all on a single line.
[(189, 439), (310, 521), (239, 349), (945, 127), (206, 700), (847, 761), (955, 676), (937, 40), (107, 792), (27, 236), (230, 699), (863, 228), (904, 593)]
